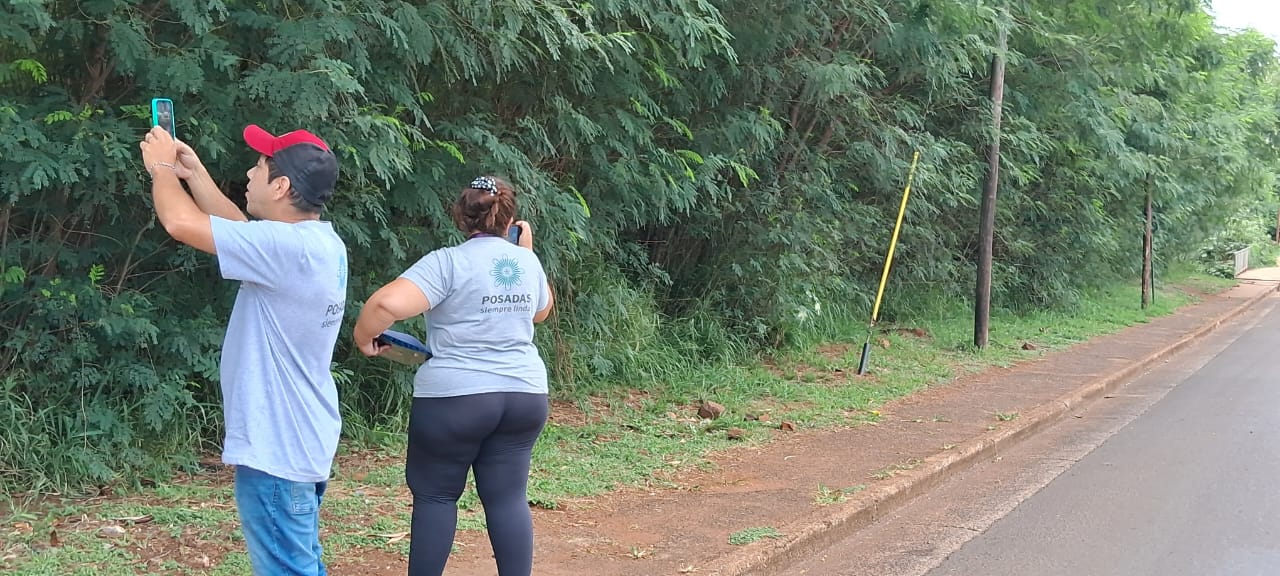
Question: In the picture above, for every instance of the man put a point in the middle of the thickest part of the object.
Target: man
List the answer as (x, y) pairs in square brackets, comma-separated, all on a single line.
[(279, 398)]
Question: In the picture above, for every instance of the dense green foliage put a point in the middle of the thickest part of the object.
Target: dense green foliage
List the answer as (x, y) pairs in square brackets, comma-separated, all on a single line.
[(705, 177)]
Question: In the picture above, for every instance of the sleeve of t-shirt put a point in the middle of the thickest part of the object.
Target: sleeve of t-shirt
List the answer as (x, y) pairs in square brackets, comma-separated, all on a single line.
[(254, 251), (433, 275)]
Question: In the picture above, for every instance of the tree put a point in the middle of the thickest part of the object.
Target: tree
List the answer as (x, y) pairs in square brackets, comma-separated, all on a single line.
[(987, 218), (707, 180)]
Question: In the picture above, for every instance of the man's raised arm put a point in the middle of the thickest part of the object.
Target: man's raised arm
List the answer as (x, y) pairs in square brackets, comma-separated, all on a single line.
[(179, 215), (204, 190)]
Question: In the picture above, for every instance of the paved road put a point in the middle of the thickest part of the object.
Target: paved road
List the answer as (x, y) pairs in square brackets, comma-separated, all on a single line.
[(1191, 488), (1177, 474)]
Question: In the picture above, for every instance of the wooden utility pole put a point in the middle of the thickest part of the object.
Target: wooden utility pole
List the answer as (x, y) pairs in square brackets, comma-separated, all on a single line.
[(1147, 238), (987, 226)]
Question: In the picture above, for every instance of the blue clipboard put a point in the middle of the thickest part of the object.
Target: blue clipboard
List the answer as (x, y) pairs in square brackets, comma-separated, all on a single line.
[(405, 349)]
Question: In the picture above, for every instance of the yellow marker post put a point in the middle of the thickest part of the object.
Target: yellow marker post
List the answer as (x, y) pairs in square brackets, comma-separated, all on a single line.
[(888, 261)]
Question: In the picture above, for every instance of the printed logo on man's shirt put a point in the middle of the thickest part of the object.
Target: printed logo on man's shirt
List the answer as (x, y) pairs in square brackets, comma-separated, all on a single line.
[(506, 273), (333, 314), (342, 271)]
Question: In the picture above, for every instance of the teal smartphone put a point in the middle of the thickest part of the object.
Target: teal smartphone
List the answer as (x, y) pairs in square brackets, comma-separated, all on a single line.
[(162, 115), (513, 234)]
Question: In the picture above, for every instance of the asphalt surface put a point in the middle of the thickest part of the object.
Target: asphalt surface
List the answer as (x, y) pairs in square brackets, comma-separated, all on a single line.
[(1175, 474)]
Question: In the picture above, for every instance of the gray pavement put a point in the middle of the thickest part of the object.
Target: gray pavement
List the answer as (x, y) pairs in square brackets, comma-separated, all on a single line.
[(1190, 488), (1173, 474)]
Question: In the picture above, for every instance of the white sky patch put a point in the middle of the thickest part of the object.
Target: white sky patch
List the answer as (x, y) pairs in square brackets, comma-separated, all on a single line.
[(1262, 15)]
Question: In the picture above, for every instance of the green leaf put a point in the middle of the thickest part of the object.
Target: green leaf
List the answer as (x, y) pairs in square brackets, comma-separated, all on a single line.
[(96, 274), (32, 67)]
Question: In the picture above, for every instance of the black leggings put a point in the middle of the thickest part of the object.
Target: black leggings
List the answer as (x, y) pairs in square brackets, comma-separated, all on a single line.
[(492, 434)]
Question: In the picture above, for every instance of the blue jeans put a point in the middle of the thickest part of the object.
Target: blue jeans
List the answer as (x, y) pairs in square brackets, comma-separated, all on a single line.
[(281, 523)]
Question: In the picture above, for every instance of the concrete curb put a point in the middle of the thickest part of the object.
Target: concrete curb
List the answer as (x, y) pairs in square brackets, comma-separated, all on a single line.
[(864, 508)]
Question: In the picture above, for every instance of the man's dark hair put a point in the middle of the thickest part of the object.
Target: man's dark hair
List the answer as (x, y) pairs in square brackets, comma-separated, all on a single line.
[(295, 199)]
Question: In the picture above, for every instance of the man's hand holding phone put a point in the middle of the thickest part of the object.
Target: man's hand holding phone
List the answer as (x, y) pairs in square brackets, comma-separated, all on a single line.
[(159, 150), (188, 162)]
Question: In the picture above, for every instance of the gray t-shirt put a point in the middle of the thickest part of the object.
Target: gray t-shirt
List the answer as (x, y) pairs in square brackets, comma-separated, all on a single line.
[(484, 294), (278, 395)]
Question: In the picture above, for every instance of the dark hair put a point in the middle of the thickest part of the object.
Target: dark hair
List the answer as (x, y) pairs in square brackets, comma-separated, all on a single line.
[(485, 209), (295, 199)]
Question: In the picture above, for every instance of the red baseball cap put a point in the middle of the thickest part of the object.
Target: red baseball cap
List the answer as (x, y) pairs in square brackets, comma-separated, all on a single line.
[(303, 157), (268, 145)]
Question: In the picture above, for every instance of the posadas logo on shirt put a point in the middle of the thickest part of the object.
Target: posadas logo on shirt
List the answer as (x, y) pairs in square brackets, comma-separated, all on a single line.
[(506, 273), (342, 271)]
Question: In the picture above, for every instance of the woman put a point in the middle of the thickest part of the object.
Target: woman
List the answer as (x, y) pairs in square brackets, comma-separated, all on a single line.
[(480, 402)]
